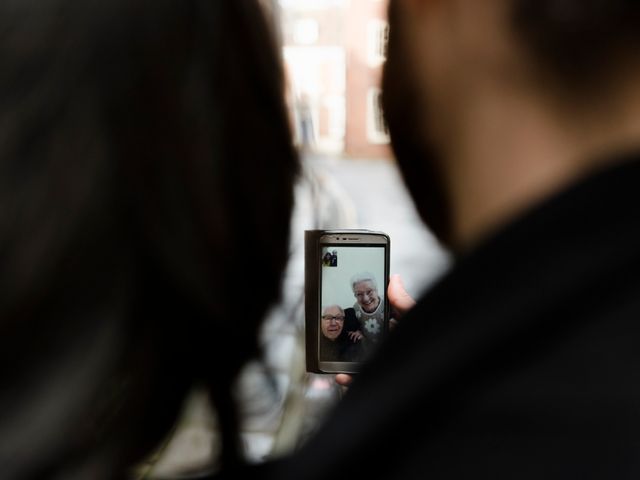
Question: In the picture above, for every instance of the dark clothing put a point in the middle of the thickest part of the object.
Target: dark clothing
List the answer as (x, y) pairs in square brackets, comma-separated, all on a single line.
[(351, 324), (523, 362), (342, 349)]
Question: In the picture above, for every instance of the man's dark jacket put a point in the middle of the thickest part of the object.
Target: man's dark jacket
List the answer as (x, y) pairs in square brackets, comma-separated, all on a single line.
[(523, 362)]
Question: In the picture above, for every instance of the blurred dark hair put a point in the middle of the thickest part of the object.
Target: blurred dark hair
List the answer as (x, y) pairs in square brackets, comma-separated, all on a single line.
[(146, 165), (582, 43)]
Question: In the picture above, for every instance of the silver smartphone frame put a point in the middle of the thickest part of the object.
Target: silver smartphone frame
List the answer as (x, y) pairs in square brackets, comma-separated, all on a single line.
[(350, 238)]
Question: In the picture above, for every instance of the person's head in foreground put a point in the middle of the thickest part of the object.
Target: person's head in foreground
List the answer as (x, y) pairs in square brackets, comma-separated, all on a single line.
[(137, 141), (492, 106)]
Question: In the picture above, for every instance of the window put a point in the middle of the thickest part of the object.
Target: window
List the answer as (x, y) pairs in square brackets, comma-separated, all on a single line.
[(377, 130), (377, 41), (306, 31)]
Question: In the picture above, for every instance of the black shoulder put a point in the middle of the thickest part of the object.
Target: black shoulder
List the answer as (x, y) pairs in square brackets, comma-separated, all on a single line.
[(350, 320)]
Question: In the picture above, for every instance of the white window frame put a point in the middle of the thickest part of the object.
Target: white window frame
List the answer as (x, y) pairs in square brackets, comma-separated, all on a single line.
[(377, 132), (377, 41)]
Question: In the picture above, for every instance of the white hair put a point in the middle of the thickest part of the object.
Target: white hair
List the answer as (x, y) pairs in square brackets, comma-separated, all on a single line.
[(327, 307), (363, 277)]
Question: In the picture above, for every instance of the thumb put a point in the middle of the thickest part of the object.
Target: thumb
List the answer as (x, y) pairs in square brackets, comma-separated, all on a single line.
[(400, 300)]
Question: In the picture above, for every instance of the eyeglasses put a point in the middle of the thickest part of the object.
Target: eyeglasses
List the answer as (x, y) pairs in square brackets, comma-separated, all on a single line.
[(337, 318), (368, 293)]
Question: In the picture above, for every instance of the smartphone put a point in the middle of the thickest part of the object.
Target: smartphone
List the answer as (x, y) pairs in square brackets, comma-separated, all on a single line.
[(346, 309)]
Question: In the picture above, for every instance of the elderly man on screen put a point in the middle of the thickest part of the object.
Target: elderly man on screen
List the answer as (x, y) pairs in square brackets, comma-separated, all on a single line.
[(336, 345)]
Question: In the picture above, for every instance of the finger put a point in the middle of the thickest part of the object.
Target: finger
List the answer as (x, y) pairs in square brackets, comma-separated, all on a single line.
[(400, 300), (343, 379)]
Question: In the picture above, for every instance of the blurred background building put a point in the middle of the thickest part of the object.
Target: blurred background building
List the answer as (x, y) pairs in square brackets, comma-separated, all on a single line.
[(334, 51)]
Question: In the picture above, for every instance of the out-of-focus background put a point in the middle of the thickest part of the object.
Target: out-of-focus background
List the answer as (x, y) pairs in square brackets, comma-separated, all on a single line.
[(333, 51)]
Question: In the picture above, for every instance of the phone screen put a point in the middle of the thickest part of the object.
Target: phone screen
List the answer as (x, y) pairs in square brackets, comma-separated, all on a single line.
[(353, 314)]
